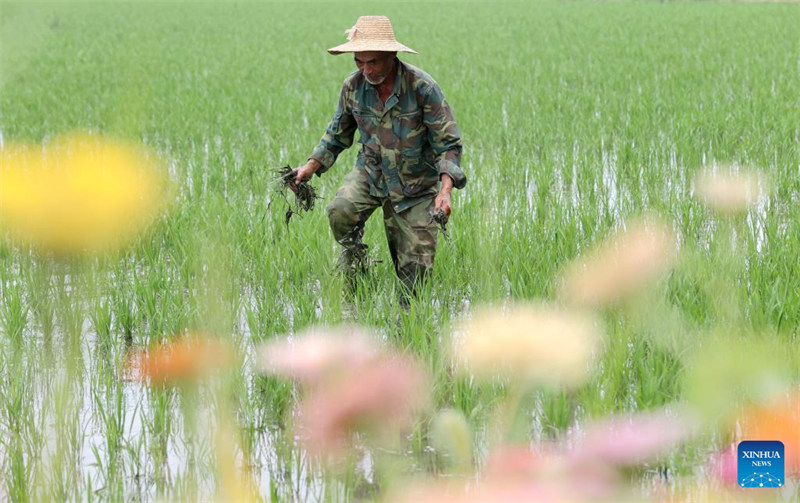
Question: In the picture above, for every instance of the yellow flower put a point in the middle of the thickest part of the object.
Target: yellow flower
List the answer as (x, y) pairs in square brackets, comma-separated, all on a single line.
[(235, 478), (728, 191), (535, 343), (79, 193), (620, 266)]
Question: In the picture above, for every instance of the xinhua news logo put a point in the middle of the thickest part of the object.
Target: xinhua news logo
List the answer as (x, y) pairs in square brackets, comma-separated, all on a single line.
[(761, 463)]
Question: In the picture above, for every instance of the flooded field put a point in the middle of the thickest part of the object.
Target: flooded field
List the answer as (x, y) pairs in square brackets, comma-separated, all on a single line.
[(614, 310)]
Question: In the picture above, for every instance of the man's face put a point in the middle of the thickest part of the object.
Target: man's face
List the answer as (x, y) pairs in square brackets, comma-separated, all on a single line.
[(375, 65)]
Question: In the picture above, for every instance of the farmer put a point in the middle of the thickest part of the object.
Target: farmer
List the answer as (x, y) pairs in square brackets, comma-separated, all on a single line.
[(409, 157)]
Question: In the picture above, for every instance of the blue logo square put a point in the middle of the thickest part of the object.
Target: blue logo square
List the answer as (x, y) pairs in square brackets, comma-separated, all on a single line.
[(761, 463)]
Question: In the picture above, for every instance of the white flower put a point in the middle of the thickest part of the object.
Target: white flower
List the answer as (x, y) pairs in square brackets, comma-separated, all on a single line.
[(534, 343), (621, 265), (729, 191)]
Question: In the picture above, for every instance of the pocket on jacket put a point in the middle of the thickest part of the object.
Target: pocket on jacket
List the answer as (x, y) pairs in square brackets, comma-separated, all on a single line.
[(410, 129), (367, 123), (417, 176)]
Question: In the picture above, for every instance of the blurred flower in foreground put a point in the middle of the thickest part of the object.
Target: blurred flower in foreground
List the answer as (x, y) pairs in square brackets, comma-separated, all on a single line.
[(181, 360), (351, 386), (235, 483), (452, 439), (317, 352), (723, 465), (626, 441), (79, 193), (730, 191), (589, 467), (527, 342), (379, 398), (731, 368), (776, 420), (621, 265)]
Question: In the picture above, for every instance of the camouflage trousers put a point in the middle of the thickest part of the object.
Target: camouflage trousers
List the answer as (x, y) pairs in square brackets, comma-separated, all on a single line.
[(411, 233)]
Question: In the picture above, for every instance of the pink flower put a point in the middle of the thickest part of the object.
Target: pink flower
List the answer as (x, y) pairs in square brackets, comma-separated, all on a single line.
[(590, 469), (628, 441), (376, 398), (516, 473), (549, 473), (351, 387), (723, 466), (316, 353), (517, 461)]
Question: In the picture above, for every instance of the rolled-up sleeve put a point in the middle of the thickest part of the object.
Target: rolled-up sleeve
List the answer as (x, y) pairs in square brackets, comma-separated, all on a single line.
[(443, 136), (338, 136)]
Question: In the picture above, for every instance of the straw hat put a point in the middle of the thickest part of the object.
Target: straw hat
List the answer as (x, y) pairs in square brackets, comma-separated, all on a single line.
[(371, 33)]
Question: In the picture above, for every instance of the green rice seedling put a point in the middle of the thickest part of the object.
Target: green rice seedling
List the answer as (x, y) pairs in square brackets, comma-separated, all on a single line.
[(42, 298), (64, 466), (14, 314), (18, 421), (158, 422), (110, 406), (101, 318)]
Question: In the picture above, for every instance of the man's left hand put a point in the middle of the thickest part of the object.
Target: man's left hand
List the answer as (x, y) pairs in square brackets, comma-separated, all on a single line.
[(442, 201)]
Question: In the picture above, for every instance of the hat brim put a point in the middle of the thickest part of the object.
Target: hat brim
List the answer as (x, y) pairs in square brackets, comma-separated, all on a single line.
[(370, 45)]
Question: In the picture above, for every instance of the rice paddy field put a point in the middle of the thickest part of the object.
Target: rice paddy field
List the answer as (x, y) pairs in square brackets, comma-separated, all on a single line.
[(616, 307)]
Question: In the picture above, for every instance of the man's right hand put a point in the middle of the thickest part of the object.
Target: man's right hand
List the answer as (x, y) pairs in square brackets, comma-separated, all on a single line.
[(305, 172)]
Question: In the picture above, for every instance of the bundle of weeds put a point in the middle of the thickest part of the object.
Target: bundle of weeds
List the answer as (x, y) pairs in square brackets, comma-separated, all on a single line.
[(440, 217), (304, 192)]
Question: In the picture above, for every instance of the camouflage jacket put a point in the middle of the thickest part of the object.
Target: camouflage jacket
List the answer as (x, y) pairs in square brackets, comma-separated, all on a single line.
[(406, 144)]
